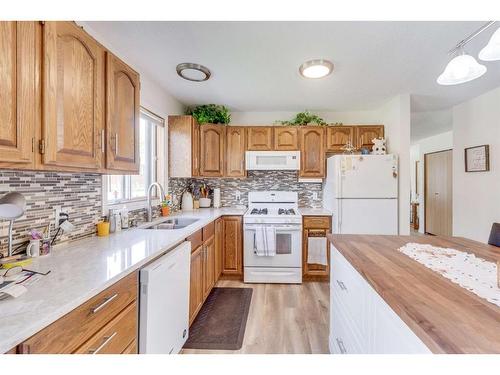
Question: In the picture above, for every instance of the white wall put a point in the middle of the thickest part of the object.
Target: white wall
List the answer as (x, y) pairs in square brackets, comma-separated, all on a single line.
[(395, 115), (268, 118), (438, 142), (476, 195)]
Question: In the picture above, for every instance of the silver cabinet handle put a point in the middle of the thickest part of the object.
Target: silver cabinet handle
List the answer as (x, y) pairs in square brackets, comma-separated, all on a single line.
[(106, 341), (341, 346), (341, 285), (102, 305)]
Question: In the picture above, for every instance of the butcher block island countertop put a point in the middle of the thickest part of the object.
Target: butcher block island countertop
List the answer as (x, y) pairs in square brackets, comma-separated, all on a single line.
[(445, 316)]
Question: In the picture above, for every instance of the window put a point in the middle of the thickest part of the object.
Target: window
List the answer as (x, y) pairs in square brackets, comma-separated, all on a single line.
[(125, 189)]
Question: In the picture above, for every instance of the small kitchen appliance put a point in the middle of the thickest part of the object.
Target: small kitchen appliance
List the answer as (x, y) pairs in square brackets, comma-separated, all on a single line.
[(187, 201), (274, 213)]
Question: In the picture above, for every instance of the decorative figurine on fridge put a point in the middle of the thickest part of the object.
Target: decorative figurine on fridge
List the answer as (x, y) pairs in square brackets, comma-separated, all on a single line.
[(379, 146)]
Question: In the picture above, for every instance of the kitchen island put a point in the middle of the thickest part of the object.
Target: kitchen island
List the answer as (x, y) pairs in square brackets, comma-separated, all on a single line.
[(443, 316)]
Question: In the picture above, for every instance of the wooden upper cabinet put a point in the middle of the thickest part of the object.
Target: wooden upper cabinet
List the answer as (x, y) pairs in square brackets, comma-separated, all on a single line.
[(122, 116), (73, 97), (17, 93), (312, 152), (260, 138), (183, 135), (338, 136), (286, 138), (235, 154), (365, 133), (212, 150)]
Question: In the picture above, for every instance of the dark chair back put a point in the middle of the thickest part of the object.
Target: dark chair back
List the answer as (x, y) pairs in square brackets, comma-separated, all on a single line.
[(495, 235)]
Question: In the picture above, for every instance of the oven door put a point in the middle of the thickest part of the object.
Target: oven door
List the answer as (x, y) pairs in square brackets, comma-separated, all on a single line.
[(288, 247)]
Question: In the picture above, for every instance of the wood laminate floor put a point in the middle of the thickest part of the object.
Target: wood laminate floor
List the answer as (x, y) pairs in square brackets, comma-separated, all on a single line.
[(283, 319)]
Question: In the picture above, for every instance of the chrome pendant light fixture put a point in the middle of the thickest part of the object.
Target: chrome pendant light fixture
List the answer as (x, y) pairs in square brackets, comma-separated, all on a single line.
[(463, 67)]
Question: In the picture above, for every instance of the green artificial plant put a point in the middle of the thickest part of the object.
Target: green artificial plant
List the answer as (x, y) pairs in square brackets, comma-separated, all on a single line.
[(210, 114)]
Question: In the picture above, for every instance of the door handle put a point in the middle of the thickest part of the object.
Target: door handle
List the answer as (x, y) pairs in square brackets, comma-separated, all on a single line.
[(340, 344), (106, 341)]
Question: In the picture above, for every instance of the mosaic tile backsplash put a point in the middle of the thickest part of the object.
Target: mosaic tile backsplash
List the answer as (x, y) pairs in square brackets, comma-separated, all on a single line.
[(78, 195), (256, 181)]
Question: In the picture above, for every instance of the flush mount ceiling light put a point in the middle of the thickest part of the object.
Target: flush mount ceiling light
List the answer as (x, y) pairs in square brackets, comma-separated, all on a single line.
[(193, 72), (464, 68), (316, 68), (492, 50)]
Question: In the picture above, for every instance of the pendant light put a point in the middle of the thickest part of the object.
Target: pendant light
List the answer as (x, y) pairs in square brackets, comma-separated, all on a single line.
[(492, 50), (462, 68)]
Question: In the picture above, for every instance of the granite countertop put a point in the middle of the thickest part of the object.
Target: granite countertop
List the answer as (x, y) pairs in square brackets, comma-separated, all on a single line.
[(305, 211), (445, 316), (84, 268)]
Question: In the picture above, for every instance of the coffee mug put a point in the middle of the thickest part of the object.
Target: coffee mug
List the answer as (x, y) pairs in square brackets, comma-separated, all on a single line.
[(33, 249)]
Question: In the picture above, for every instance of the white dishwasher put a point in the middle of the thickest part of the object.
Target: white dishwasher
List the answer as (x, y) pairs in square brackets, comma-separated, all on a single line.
[(164, 302)]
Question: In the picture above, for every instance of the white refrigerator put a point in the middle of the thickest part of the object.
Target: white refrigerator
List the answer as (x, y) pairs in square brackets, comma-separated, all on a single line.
[(362, 193)]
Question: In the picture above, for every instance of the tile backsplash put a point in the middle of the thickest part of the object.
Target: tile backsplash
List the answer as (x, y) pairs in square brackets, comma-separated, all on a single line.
[(78, 195), (256, 181)]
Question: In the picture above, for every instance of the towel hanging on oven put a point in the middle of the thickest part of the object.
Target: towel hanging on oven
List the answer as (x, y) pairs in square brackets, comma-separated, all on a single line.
[(265, 241)]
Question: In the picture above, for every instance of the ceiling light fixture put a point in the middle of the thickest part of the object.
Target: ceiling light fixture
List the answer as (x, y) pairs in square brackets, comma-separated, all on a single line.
[(193, 72), (492, 50), (316, 68), (463, 67)]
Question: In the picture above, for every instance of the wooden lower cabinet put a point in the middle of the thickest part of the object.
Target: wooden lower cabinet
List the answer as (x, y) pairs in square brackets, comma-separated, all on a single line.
[(314, 227), (232, 240), (196, 283), (91, 324), (219, 233), (208, 266)]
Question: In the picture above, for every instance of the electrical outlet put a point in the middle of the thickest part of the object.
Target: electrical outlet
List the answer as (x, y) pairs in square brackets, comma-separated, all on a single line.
[(238, 196), (57, 214), (315, 195)]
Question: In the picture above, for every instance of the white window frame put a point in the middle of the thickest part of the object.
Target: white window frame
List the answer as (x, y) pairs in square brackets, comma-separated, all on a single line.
[(161, 175)]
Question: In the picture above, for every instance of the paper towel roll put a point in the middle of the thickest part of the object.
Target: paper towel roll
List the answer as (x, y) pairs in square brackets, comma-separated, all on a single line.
[(216, 198)]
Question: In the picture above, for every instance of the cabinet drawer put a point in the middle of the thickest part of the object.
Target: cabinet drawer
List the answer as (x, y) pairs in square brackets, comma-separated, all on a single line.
[(350, 291), (319, 222), (208, 231), (343, 340), (196, 240), (116, 336), (68, 333)]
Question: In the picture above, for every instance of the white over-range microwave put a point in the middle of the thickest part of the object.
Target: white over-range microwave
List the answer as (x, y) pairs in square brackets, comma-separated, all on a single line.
[(272, 160)]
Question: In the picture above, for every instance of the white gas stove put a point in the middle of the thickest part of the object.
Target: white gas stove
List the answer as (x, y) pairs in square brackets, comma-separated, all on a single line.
[(275, 213)]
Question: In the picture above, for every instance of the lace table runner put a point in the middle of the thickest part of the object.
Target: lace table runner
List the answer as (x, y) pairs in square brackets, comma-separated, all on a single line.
[(475, 274)]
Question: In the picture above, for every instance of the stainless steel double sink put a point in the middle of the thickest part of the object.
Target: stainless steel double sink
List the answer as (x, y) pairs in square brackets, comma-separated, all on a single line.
[(174, 223)]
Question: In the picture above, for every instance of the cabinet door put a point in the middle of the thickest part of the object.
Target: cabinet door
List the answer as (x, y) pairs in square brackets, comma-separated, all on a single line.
[(286, 139), (218, 248), (122, 116), (212, 150), (311, 271), (312, 152), (195, 148), (183, 135), (208, 266), (338, 136), (73, 94), (365, 133), (235, 155), (17, 93), (260, 138), (232, 246), (196, 283)]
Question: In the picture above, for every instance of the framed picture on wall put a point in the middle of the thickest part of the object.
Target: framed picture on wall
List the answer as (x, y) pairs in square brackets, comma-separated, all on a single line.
[(477, 159)]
